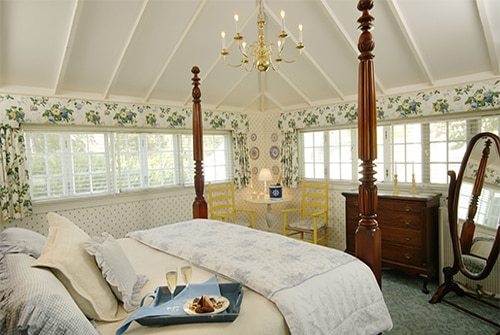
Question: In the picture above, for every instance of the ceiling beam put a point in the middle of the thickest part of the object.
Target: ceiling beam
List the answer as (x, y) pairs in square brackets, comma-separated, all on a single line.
[(191, 22), (125, 48), (403, 26), (70, 39), (228, 92), (487, 25), (307, 55)]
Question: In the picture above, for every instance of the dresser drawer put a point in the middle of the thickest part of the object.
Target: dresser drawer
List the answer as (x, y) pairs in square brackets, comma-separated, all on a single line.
[(399, 206), (402, 254), (401, 236), (400, 220)]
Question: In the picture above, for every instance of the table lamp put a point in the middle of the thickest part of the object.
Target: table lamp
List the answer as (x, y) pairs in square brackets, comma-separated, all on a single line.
[(265, 176)]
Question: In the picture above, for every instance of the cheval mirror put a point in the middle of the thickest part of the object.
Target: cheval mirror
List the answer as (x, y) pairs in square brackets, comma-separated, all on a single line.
[(474, 214)]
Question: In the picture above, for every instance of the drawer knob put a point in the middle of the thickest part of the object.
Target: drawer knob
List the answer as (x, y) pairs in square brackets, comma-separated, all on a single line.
[(408, 255), (407, 223), (407, 208), (408, 237)]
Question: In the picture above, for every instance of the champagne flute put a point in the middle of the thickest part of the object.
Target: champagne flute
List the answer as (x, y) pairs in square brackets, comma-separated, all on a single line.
[(187, 272), (171, 276)]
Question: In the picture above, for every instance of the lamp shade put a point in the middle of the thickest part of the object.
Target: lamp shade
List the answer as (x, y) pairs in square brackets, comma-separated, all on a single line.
[(265, 175)]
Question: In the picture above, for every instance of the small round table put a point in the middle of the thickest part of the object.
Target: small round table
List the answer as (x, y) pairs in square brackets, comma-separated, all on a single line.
[(269, 202)]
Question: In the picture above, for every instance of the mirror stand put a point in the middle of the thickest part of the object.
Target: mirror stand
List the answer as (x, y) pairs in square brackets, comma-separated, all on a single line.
[(472, 196)]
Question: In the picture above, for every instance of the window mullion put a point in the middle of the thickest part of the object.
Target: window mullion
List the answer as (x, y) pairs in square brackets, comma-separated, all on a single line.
[(67, 165), (143, 154), (326, 154), (425, 167), (178, 166), (110, 162)]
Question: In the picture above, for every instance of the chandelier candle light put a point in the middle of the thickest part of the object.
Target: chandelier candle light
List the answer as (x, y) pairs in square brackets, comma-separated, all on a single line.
[(261, 51)]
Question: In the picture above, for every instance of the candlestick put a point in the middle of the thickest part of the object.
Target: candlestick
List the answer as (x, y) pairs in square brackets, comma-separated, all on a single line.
[(395, 190), (236, 18), (223, 35), (282, 20), (413, 185)]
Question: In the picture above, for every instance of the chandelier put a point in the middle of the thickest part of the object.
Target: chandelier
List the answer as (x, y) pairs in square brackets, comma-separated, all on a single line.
[(263, 54)]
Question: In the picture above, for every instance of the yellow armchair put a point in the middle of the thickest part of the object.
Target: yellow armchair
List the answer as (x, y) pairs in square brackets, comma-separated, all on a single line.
[(222, 205), (313, 223)]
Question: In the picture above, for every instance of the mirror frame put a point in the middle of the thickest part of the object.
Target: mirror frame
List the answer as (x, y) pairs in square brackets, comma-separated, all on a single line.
[(467, 233)]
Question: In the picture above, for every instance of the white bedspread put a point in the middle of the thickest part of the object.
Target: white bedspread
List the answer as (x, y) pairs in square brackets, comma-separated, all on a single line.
[(318, 290)]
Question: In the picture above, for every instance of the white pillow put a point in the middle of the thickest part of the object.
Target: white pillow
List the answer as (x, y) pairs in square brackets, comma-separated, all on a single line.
[(16, 240), (117, 270), (65, 255)]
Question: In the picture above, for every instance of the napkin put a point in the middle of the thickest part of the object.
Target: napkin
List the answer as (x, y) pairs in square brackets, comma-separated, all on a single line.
[(210, 287)]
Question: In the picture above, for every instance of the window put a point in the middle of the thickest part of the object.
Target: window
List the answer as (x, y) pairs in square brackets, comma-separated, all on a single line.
[(426, 150), (341, 153), (313, 153), (63, 164), (217, 164)]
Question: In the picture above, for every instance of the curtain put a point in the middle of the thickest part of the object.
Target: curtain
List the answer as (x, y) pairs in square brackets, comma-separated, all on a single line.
[(15, 197), (289, 158), (241, 160)]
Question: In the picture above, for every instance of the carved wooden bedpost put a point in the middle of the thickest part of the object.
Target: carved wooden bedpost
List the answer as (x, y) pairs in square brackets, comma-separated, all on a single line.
[(368, 236), (199, 204)]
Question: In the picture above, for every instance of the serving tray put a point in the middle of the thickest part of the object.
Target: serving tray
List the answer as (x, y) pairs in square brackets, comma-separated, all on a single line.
[(232, 291)]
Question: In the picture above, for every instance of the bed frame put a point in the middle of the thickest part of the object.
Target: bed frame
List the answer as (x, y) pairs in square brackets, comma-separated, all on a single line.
[(368, 235)]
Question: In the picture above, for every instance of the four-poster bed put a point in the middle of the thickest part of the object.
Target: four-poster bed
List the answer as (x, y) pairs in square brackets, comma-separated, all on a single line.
[(289, 286), (368, 235)]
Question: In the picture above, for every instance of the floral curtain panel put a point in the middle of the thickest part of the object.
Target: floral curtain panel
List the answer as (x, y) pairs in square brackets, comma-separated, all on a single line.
[(289, 159), (14, 187), (241, 162)]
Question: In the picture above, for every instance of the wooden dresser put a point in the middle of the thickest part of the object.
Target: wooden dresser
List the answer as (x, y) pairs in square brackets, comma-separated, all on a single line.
[(409, 226)]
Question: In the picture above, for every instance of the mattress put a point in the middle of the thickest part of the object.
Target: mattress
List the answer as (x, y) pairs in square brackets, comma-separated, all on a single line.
[(257, 315)]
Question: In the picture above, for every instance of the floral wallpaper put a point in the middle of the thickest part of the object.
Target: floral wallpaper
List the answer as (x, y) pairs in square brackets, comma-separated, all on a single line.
[(16, 110), (467, 98)]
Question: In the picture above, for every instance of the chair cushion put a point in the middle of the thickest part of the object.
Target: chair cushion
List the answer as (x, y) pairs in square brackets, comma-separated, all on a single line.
[(307, 223), (474, 264)]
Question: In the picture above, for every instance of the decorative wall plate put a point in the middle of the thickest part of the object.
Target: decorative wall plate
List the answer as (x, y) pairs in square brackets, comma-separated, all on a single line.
[(254, 153), (274, 137), (275, 170), (253, 137), (274, 152)]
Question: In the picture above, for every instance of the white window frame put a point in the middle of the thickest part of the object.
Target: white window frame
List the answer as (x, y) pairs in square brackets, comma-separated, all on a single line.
[(387, 164), (183, 161)]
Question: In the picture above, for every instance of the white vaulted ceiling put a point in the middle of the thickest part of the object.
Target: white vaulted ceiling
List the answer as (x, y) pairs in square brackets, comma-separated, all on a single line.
[(142, 51)]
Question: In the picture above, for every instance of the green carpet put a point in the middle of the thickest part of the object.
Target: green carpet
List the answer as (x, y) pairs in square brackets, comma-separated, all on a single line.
[(412, 313)]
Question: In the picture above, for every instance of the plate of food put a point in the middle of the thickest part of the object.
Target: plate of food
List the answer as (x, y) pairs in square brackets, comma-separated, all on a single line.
[(206, 304)]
